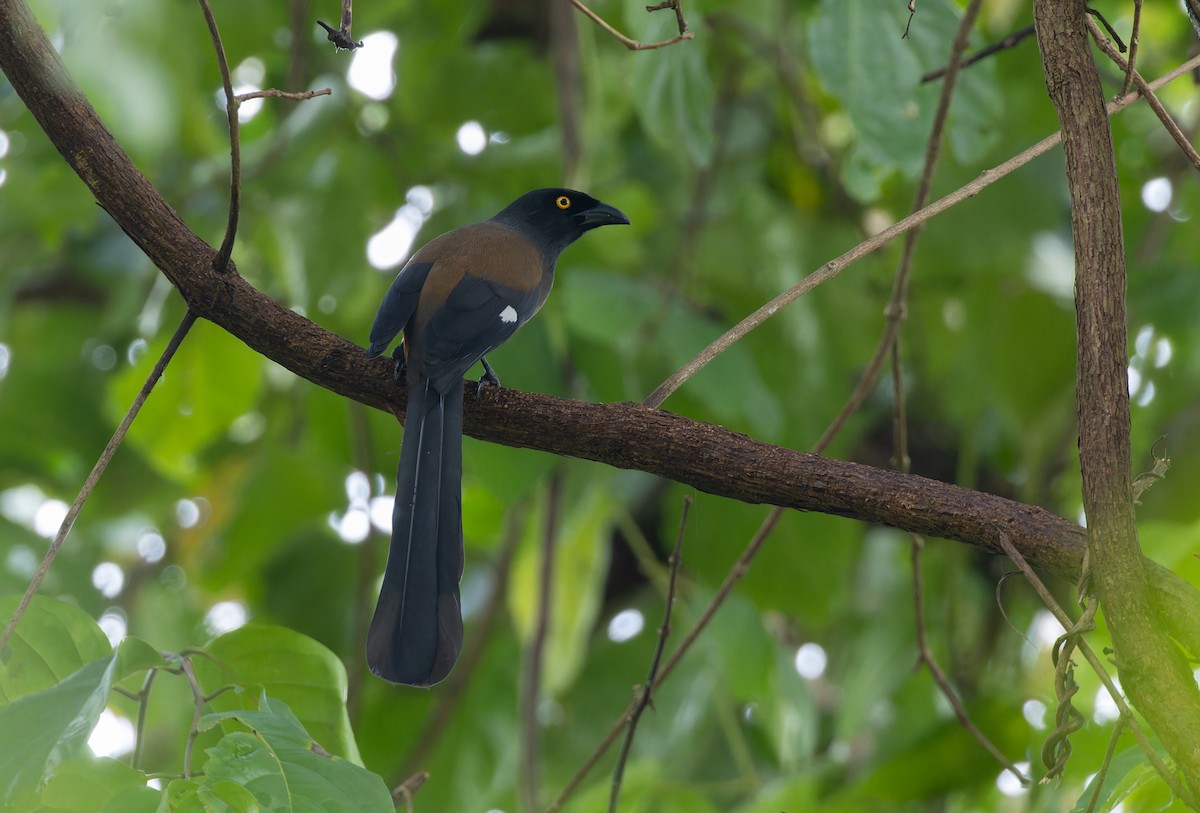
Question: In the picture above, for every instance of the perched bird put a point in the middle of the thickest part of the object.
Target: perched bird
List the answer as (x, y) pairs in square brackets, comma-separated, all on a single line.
[(456, 299)]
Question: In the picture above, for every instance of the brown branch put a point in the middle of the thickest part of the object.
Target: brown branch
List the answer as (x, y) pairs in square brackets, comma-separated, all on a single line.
[(632, 44), (1152, 669)]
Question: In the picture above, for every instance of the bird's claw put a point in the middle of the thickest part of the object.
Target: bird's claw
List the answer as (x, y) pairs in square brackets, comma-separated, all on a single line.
[(488, 379), (399, 373)]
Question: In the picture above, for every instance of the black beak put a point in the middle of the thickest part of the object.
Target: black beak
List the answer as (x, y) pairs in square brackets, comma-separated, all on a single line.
[(601, 215)]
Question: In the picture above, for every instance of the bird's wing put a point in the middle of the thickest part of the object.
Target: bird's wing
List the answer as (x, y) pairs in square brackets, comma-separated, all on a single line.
[(477, 316), (398, 305)]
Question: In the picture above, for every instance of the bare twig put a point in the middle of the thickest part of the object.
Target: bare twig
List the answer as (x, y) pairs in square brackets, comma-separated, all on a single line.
[(198, 701), (912, 12), (272, 93), (1112, 32), (925, 656), (405, 790), (93, 478), (1168, 121), (1134, 37), (677, 7), (642, 701), (631, 44), (835, 266), (221, 262), (340, 37), (896, 312), (139, 729), (731, 579), (1011, 41), (1098, 779)]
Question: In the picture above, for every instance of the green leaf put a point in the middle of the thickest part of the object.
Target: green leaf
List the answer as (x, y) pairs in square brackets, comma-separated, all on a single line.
[(212, 380), (190, 796), (290, 666), (672, 91), (285, 769), (874, 73), (94, 785), (135, 656), (1128, 774), (42, 729), (53, 640)]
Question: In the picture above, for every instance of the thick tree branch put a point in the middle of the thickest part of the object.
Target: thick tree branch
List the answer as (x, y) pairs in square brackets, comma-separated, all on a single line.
[(710, 458), (1153, 670)]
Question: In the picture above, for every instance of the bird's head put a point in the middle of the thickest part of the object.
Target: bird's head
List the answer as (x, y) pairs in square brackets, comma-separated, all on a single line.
[(555, 218)]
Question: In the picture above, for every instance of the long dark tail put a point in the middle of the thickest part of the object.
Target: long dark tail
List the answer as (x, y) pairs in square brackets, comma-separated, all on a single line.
[(416, 634)]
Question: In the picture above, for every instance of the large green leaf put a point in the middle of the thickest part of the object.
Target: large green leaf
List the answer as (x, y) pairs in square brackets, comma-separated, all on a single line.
[(52, 641), (42, 729), (286, 665), (89, 785), (285, 769)]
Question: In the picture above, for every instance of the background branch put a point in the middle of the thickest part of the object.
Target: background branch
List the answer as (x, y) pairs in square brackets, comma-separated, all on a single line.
[(1152, 669)]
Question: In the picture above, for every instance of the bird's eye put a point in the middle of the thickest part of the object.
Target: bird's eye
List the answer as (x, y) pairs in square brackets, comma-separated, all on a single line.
[(563, 202)]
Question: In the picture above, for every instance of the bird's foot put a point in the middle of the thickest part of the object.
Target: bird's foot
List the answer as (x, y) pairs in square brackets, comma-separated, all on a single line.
[(400, 371), (488, 379)]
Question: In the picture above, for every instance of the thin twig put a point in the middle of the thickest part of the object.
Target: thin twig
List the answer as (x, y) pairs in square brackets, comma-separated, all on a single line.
[(297, 96), (1098, 779), (1098, 667), (531, 687), (405, 790), (643, 696), (139, 729), (1011, 41), (198, 700), (1112, 32), (1168, 121), (221, 261), (677, 7), (896, 311), (835, 266), (1134, 37), (731, 579), (340, 37), (925, 656), (631, 44), (94, 477)]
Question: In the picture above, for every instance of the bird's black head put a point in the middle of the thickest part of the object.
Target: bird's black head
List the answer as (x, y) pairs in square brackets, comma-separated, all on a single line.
[(555, 218)]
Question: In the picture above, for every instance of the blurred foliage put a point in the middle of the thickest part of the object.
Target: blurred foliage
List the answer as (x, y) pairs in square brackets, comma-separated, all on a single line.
[(775, 140)]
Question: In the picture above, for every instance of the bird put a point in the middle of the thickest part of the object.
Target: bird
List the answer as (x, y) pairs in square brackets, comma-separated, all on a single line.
[(456, 299)]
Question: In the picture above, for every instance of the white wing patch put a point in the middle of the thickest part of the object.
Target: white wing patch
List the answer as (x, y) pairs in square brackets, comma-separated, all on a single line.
[(508, 315)]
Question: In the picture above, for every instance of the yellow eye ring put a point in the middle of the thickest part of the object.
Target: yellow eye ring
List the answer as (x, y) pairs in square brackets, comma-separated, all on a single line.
[(563, 202)]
